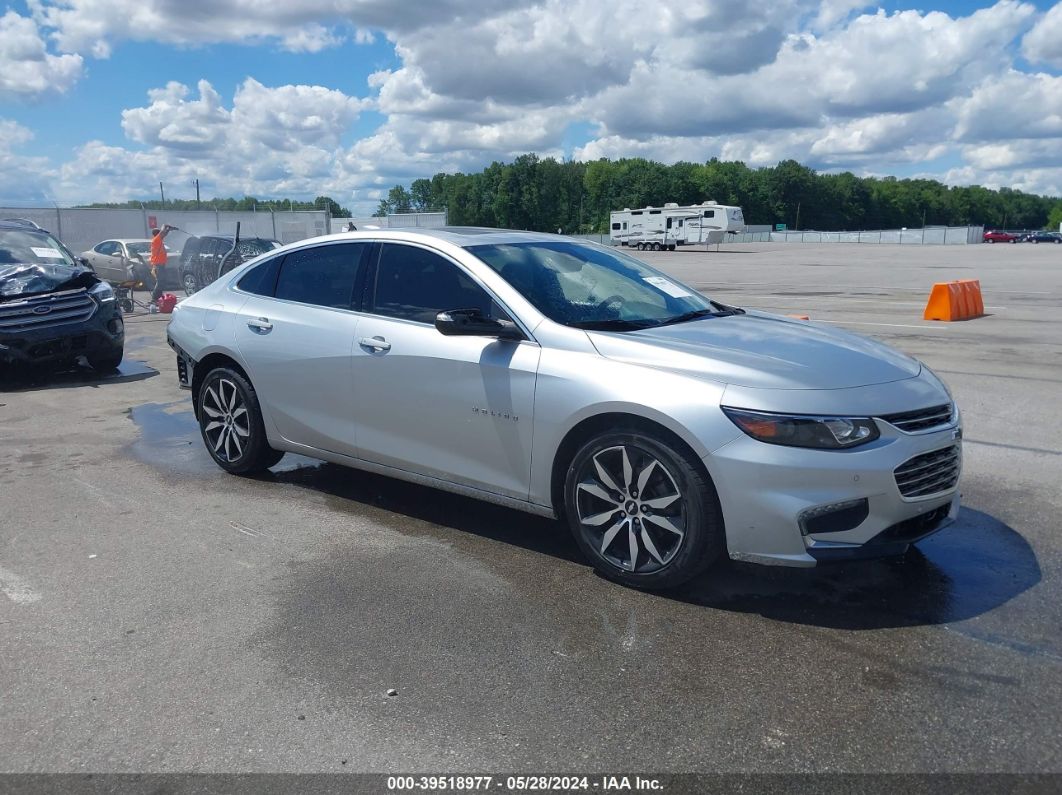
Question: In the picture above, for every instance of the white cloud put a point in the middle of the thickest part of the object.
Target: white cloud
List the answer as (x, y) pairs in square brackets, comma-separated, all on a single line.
[(27, 69), (1043, 44), (26, 178), (480, 80)]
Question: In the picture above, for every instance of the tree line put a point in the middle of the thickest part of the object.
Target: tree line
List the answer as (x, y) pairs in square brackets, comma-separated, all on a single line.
[(245, 204), (543, 194)]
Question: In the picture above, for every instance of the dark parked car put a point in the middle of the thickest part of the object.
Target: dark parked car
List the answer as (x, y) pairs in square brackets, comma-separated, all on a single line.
[(1000, 237), (206, 258), (1043, 237), (53, 307)]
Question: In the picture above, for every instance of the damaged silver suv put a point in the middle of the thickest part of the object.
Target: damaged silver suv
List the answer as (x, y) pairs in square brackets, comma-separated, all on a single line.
[(53, 307)]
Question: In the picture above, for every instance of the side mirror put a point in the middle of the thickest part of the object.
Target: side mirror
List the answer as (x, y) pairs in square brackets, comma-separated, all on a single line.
[(83, 262), (473, 323)]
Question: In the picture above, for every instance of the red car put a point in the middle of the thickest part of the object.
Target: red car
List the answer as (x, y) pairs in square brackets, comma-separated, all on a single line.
[(1000, 237)]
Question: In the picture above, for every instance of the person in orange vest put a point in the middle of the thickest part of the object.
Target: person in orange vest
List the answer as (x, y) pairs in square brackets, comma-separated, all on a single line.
[(158, 257)]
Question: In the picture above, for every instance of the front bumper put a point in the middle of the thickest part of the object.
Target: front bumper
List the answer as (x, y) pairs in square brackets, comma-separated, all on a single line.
[(768, 491), (102, 333)]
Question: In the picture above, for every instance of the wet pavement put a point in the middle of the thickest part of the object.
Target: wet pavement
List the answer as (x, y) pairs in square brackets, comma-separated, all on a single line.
[(158, 615)]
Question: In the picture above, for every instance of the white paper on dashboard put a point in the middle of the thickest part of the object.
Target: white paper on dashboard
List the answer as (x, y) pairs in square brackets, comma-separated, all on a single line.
[(667, 286)]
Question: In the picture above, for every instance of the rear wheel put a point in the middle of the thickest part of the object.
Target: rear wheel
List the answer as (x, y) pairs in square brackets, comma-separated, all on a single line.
[(230, 421), (642, 510)]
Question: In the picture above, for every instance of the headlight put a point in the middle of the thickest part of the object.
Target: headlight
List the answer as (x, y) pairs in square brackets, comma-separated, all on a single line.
[(102, 292), (794, 430)]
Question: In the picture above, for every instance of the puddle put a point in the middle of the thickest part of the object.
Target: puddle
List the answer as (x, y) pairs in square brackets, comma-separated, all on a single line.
[(20, 380), (966, 570), (169, 439)]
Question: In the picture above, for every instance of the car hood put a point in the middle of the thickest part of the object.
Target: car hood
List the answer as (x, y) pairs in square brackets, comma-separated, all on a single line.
[(760, 350), (22, 280)]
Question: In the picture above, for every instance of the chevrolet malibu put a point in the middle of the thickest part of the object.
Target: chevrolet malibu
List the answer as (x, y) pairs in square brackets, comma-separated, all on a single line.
[(571, 380)]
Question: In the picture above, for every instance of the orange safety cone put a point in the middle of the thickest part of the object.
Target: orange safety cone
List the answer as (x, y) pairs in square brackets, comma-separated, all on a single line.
[(957, 300)]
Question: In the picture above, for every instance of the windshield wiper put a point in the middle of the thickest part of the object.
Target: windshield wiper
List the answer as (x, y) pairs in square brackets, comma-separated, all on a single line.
[(614, 324), (699, 313)]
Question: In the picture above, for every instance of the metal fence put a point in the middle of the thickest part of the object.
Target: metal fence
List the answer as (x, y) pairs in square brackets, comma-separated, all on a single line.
[(82, 228), (930, 236), (397, 220)]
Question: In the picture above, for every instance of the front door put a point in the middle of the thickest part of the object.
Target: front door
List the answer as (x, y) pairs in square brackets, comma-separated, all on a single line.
[(456, 408), (107, 261), (296, 334)]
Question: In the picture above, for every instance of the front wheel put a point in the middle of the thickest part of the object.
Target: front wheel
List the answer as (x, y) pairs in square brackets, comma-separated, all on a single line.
[(642, 510), (230, 421), (191, 285)]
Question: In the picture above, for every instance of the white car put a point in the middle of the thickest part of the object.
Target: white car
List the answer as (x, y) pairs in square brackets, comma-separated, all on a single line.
[(572, 380), (120, 259)]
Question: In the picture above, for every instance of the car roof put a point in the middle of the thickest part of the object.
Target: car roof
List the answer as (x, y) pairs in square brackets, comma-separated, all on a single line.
[(463, 236), (229, 238), (22, 226)]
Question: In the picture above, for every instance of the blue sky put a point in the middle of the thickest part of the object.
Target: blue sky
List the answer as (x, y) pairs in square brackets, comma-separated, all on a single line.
[(100, 99)]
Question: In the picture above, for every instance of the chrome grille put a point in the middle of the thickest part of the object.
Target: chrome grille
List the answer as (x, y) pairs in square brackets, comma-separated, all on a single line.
[(929, 473), (922, 419), (71, 306)]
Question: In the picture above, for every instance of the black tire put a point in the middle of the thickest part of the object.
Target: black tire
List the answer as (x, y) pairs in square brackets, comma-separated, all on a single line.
[(240, 448), (106, 362), (190, 283), (662, 561)]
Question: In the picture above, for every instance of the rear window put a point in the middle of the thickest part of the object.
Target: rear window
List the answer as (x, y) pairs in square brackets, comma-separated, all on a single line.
[(322, 275), (262, 278)]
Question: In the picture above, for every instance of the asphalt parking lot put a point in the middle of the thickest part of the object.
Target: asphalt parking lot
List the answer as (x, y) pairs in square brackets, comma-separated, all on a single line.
[(157, 615)]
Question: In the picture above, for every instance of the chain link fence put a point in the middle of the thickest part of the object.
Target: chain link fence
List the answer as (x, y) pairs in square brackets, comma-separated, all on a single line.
[(427, 220), (930, 236), (82, 228)]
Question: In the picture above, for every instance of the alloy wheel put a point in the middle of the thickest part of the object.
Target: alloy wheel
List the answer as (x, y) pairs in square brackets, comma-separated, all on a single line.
[(630, 509), (228, 428)]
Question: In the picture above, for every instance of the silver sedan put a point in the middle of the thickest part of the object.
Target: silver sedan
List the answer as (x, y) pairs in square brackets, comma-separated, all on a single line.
[(572, 380)]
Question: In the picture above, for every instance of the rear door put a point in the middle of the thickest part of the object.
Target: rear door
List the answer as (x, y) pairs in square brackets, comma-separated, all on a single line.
[(297, 333)]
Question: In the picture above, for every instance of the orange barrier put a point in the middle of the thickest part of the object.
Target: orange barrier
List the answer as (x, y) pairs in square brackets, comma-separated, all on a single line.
[(958, 300)]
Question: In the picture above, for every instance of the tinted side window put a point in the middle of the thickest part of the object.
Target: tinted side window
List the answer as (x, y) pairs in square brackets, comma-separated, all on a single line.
[(191, 249), (262, 278), (322, 275), (108, 248), (415, 284)]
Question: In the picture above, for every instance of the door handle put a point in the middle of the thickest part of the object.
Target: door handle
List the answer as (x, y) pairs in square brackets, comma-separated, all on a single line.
[(376, 343), (261, 325)]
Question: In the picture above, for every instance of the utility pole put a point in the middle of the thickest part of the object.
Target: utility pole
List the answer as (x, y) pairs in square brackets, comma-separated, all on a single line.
[(163, 194), (796, 226), (197, 193)]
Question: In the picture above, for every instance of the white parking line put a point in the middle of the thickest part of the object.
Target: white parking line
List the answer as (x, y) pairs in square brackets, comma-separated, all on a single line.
[(814, 298), (878, 287), (17, 589), (865, 323)]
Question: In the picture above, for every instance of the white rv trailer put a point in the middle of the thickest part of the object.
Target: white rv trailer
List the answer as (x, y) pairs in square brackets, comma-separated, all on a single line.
[(664, 228)]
